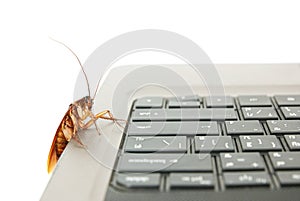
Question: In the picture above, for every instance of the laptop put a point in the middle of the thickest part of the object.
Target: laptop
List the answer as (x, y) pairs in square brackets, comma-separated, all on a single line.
[(240, 144)]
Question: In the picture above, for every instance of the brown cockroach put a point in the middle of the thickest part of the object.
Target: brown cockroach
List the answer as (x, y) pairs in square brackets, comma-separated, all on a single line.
[(74, 120)]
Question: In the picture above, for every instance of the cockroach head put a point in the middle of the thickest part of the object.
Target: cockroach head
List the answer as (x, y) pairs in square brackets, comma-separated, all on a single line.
[(89, 102), (85, 103), (83, 107)]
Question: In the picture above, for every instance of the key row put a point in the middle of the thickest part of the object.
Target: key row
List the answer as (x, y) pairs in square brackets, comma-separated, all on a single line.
[(139, 163), (188, 128), (214, 114), (206, 180), (217, 101), (207, 144)]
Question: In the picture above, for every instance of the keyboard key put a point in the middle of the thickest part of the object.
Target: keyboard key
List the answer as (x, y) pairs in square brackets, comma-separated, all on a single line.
[(184, 114), (156, 144), (288, 100), (185, 98), (284, 126), (219, 102), (293, 142), (165, 163), (254, 101), (259, 113), (191, 180), (291, 112), (244, 127), (149, 102), (186, 104), (238, 179), (289, 178), (213, 144), (285, 160), (173, 128), (138, 180), (242, 161), (260, 143)]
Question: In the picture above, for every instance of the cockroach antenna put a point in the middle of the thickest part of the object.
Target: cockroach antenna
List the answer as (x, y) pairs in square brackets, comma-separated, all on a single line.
[(87, 81)]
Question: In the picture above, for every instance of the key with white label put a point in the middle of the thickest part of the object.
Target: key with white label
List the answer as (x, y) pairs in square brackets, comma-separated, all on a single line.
[(291, 112), (246, 179), (165, 163), (293, 142), (260, 143), (188, 114), (186, 98), (254, 101), (183, 128), (213, 144), (285, 160), (244, 127), (149, 102), (185, 104), (191, 180), (288, 100), (284, 126), (219, 102), (259, 113), (139, 180), (289, 178), (156, 144), (242, 161)]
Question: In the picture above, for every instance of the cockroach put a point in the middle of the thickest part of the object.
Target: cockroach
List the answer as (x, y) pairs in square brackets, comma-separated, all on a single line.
[(74, 120)]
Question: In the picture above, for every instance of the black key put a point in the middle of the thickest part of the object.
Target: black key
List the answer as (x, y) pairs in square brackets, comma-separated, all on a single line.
[(244, 127), (259, 113), (288, 100), (173, 128), (138, 180), (164, 163), (254, 101), (284, 126), (260, 143), (293, 142), (246, 179), (149, 102), (219, 102), (213, 144), (186, 104), (156, 144), (191, 180), (184, 114), (185, 98), (154, 115), (291, 112), (242, 161), (285, 160), (289, 178)]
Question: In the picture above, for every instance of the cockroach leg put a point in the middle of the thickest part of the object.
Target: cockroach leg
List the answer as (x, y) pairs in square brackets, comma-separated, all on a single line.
[(101, 115), (97, 127), (76, 138), (111, 117)]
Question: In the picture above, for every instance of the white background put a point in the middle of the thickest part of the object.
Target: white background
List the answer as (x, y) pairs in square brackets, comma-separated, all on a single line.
[(37, 75)]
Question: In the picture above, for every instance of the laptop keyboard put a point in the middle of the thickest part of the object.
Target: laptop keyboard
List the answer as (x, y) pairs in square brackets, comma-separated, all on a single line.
[(212, 143)]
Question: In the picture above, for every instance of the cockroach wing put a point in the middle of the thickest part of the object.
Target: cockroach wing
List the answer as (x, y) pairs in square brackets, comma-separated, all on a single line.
[(52, 157), (67, 126), (60, 141)]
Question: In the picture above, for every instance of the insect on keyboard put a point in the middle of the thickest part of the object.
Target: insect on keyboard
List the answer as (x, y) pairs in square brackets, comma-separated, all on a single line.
[(212, 143)]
